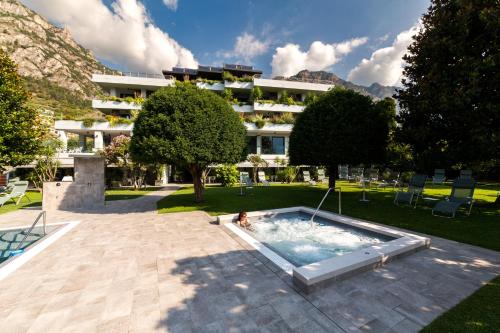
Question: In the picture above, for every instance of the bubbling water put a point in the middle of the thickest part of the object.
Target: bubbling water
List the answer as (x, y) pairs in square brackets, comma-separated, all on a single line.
[(295, 239)]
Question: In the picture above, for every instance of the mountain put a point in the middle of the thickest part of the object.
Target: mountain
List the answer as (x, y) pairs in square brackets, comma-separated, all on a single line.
[(376, 90), (56, 69)]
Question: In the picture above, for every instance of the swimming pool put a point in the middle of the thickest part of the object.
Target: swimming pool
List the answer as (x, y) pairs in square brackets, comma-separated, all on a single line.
[(332, 248), (11, 238)]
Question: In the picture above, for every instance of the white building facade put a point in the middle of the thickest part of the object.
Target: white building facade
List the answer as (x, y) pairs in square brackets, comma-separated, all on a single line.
[(268, 118)]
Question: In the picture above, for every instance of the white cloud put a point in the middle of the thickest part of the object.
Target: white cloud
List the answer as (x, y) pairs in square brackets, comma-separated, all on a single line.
[(171, 4), (385, 65), (246, 47), (290, 59), (124, 34)]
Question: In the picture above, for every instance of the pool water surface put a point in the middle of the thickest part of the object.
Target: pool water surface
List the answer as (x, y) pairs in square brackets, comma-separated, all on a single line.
[(292, 237)]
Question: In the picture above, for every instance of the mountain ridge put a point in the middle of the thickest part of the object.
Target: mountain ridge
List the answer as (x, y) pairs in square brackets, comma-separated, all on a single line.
[(56, 69), (375, 90)]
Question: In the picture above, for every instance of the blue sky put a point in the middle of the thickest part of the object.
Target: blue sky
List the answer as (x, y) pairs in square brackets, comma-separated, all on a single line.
[(206, 27), (317, 34)]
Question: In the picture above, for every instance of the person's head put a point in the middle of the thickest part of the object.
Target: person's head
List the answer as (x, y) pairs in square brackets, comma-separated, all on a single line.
[(242, 215)]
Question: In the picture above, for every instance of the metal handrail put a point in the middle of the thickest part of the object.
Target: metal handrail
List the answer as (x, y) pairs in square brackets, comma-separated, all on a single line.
[(324, 198), (42, 214)]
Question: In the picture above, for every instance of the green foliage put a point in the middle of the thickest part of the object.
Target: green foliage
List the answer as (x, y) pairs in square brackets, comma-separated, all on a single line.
[(188, 127), (65, 103), (285, 99), (227, 174), (450, 99), (227, 76), (284, 118), (20, 128), (340, 127), (228, 96), (256, 94), (88, 122), (288, 174), (115, 121), (46, 163), (72, 144), (310, 98)]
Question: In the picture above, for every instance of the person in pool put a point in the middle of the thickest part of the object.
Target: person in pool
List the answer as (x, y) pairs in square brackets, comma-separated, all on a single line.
[(243, 220)]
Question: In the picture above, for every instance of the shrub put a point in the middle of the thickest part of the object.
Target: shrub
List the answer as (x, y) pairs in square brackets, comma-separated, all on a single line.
[(227, 175), (288, 174), (88, 122), (256, 93)]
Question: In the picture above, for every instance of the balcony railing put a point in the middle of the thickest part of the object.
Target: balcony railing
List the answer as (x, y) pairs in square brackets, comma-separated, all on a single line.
[(133, 74)]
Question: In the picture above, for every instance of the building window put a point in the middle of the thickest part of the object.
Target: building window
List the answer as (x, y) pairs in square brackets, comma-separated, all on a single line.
[(274, 145), (252, 144)]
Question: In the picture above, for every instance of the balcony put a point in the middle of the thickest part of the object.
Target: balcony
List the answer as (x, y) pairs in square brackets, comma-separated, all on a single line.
[(269, 128), (115, 105), (238, 84), (218, 86), (274, 107), (292, 85), (132, 79), (242, 108), (78, 126)]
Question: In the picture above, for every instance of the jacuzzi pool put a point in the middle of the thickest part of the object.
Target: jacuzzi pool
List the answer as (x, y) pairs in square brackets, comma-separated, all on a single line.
[(291, 236), (334, 247)]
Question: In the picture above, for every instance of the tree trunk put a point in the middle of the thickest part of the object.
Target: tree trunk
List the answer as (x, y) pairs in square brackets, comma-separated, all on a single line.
[(332, 172), (199, 188)]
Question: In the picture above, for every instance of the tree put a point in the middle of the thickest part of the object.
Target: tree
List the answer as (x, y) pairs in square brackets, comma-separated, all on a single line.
[(47, 164), (19, 124), (450, 101), (188, 127), (118, 153), (340, 127), (256, 161)]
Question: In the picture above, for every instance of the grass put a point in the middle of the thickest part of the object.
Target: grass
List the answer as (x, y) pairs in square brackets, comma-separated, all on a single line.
[(111, 195), (481, 228), (479, 313)]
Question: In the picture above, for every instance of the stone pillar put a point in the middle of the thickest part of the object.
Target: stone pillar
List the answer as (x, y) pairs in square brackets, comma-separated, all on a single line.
[(287, 141), (143, 93), (259, 144), (64, 139), (98, 141), (112, 92)]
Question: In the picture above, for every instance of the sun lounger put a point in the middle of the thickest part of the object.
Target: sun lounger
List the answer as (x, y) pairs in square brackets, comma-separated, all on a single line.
[(462, 193)]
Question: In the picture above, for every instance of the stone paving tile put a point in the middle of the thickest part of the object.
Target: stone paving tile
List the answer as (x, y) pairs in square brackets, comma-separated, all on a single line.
[(127, 269)]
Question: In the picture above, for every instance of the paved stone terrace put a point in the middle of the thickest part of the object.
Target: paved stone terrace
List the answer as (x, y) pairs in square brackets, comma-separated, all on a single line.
[(128, 269)]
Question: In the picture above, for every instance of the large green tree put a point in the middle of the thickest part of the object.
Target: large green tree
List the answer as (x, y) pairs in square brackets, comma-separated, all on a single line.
[(188, 127), (450, 102), (19, 125), (340, 127)]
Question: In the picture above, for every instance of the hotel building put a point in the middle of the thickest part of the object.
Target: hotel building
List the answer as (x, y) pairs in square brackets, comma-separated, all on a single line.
[(267, 106)]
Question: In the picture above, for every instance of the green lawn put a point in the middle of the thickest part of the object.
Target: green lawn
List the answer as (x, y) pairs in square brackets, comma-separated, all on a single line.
[(36, 198), (481, 228), (478, 313)]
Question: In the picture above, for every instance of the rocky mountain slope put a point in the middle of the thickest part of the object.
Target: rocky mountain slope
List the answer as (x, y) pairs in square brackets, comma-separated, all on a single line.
[(375, 90), (54, 65)]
